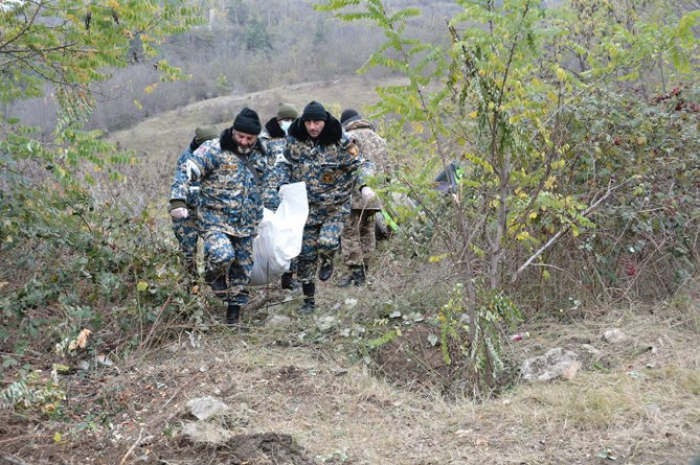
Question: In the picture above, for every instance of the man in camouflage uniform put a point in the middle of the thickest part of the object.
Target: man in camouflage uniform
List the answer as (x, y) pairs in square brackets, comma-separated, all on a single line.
[(329, 163), (358, 240), (275, 139), (233, 171), (186, 229)]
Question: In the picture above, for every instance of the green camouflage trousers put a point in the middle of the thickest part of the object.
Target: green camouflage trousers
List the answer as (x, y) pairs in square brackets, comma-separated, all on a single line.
[(358, 240)]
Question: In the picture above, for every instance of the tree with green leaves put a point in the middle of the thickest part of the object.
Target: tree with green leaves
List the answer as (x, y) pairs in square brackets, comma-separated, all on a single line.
[(64, 249), (504, 101)]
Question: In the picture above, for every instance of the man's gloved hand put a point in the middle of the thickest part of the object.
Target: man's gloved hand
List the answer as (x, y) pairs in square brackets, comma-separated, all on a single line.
[(367, 194), (179, 213)]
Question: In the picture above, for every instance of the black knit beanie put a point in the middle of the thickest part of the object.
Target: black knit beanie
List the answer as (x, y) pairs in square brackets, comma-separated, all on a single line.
[(314, 111), (347, 114), (248, 122)]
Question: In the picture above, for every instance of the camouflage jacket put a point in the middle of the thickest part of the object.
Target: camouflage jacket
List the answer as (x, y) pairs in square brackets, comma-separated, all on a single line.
[(275, 141), (192, 195), (373, 149), (231, 196), (329, 165)]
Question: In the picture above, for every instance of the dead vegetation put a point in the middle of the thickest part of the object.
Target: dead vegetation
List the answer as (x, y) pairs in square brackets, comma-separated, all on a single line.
[(307, 393), (636, 403)]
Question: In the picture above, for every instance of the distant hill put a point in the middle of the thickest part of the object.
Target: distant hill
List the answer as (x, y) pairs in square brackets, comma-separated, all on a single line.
[(163, 137)]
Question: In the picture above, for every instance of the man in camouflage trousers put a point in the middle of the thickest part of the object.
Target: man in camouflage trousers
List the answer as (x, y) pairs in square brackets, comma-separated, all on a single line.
[(186, 229), (274, 136), (358, 240), (233, 171), (329, 163)]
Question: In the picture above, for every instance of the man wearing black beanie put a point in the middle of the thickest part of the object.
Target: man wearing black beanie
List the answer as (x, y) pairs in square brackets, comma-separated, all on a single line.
[(233, 171), (330, 164)]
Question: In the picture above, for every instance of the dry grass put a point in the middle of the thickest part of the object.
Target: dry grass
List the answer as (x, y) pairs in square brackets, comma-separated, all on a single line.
[(638, 402), (163, 137), (644, 409)]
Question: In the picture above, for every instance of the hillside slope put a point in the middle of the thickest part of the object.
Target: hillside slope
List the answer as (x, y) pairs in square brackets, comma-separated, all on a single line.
[(163, 137)]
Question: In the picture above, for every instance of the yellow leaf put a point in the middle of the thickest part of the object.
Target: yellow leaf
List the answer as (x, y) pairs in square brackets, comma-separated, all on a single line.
[(437, 258), (417, 127), (533, 215), (523, 236), (641, 140), (561, 74), (549, 183), (57, 437), (398, 332), (475, 113), (545, 274), (142, 286), (138, 105)]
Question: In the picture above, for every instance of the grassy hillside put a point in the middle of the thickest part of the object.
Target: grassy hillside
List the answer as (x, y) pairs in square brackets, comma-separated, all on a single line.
[(163, 137)]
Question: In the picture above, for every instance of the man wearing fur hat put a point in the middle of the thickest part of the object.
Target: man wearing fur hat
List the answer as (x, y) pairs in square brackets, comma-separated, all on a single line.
[(274, 136), (329, 163), (358, 239), (233, 171), (186, 229)]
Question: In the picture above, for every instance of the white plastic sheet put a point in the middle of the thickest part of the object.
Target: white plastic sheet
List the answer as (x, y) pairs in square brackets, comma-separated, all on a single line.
[(279, 235)]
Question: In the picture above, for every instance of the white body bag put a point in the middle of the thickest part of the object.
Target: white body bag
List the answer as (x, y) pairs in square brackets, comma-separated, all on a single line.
[(279, 235)]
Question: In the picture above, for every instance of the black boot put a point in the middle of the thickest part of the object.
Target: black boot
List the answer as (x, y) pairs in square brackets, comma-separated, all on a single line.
[(356, 277), (288, 282), (326, 269), (309, 306), (233, 314)]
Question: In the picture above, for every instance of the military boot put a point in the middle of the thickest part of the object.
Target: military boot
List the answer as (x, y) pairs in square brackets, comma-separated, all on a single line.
[(356, 277), (233, 314), (309, 306), (288, 282), (326, 269)]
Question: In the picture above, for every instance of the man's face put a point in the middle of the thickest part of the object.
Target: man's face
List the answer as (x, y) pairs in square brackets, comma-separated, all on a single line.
[(314, 127), (244, 141)]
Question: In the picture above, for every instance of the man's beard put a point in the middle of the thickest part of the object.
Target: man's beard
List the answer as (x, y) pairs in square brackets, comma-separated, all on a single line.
[(240, 150)]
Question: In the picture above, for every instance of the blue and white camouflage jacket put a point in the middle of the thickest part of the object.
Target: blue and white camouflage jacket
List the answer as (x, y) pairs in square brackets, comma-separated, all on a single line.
[(231, 196), (331, 166)]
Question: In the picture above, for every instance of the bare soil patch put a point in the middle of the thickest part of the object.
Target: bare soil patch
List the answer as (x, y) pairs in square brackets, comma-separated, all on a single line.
[(413, 361)]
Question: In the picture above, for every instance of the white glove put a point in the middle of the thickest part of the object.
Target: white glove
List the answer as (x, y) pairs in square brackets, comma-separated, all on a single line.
[(282, 191), (367, 194), (179, 213)]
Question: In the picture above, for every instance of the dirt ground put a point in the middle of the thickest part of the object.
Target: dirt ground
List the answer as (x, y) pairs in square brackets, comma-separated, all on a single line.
[(309, 402), (301, 393)]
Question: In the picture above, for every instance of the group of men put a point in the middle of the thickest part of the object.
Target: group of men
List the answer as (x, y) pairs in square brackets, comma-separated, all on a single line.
[(224, 180)]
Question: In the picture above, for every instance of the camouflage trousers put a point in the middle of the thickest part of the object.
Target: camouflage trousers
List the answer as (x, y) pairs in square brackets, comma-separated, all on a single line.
[(187, 232), (320, 240), (229, 261), (358, 240)]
